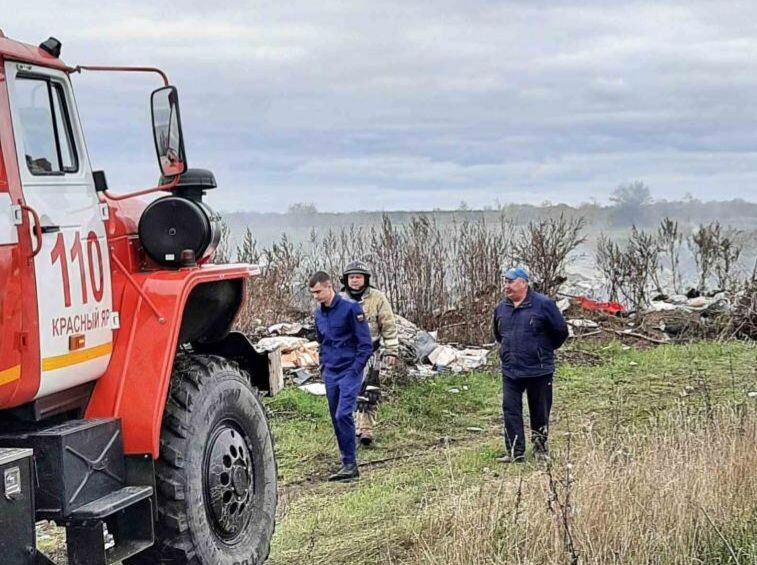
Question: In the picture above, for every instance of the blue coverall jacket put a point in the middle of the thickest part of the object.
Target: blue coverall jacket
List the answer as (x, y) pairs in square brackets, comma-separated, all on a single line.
[(344, 337), (528, 335)]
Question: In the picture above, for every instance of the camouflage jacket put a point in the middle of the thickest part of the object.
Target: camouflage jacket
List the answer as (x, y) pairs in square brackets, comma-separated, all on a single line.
[(380, 318)]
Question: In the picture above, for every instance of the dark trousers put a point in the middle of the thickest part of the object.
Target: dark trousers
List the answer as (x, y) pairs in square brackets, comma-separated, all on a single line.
[(539, 393), (341, 392)]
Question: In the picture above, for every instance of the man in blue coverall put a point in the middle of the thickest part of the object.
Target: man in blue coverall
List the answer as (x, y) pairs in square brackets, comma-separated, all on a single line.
[(345, 347), (529, 327)]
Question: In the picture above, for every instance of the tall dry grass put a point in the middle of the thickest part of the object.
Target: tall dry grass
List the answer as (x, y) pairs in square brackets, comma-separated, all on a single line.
[(684, 491)]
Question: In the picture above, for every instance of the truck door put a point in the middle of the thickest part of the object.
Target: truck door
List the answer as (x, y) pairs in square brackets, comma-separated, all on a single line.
[(72, 267), (10, 293)]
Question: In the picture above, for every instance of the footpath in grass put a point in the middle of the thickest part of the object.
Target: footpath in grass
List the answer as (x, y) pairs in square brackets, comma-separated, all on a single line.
[(428, 442)]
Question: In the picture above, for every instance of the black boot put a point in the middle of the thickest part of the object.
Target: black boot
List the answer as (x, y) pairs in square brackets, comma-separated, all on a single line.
[(346, 473), (541, 451)]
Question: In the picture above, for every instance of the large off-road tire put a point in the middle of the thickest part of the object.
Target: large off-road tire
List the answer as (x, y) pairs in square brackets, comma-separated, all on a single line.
[(216, 474)]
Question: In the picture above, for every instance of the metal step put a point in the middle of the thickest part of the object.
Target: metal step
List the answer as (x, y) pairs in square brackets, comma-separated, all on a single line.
[(110, 504), (128, 516)]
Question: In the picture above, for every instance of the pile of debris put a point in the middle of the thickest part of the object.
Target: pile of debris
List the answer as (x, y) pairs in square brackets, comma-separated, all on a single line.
[(293, 346), (742, 322), (598, 325), (692, 316), (673, 318), (419, 352), (296, 352), (422, 355)]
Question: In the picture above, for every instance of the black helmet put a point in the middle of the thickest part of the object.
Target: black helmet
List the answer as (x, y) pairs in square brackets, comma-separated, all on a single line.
[(356, 268)]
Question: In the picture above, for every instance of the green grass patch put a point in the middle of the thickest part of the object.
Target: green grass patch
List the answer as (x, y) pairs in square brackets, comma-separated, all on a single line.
[(413, 417), (424, 425)]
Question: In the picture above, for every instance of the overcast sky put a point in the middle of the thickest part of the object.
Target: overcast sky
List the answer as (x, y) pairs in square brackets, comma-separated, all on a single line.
[(419, 105)]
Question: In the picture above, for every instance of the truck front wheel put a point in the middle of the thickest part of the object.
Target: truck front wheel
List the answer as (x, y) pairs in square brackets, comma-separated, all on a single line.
[(216, 474)]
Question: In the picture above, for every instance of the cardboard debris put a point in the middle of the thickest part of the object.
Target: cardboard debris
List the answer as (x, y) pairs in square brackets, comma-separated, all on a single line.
[(443, 356), (719, 302), (457, 360), (472, 358), (697, 303), (284, 343), (305, 355), (295, 351), (301, 376), (317, 389), (422, 371), (582, 323), (660, 306)]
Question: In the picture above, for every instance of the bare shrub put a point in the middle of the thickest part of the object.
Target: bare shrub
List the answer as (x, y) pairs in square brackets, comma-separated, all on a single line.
[(223, 252), (423, 294), (642, 261), (610, 260), (386, 247), (273, 296), (544, 245), (730, 247), (742, 322), (479, 254), (632, 270), (705, 248), (670, 241), (247, 250), (331, 250)]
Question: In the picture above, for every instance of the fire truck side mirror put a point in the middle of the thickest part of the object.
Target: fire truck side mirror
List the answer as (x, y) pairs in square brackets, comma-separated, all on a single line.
[(166, 127)]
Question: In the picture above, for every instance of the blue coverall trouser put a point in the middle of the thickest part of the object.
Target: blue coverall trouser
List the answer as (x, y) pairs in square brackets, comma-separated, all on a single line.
[(539, 393), (342, 392)]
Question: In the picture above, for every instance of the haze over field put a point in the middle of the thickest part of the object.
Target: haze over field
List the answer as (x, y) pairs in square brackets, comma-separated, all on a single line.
[(416, 105)]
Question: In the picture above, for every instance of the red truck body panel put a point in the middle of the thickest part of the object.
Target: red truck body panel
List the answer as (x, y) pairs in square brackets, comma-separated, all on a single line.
[(150, 301)]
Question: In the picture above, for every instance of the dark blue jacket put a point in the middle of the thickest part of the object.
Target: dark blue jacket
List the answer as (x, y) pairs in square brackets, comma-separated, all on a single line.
[(529, 335), (344, 336)]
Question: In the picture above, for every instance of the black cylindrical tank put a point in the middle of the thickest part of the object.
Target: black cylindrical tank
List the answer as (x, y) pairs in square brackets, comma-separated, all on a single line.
[(175, 223)]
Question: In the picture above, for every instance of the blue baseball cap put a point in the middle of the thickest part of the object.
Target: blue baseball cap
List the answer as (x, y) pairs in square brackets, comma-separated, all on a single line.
[(517, 273)]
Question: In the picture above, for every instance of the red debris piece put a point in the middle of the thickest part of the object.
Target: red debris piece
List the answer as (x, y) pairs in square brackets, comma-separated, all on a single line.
[(607, 307)]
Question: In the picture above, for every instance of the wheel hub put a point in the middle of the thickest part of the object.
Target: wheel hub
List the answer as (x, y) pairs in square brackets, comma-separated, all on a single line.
[(228, 478), (240, 480)]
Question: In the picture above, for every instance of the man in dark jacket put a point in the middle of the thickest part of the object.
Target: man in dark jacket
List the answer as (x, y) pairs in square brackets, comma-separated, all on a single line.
[(345, 347), (528, 327)]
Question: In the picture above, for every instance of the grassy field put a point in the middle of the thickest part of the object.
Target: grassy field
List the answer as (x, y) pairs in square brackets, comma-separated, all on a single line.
[(654, 461)]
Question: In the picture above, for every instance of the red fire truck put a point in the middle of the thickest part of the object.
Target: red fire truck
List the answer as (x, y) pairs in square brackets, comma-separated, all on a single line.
[(130, 413)]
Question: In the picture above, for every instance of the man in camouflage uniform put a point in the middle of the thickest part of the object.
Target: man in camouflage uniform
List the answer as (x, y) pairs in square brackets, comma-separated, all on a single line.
[(356, 279)]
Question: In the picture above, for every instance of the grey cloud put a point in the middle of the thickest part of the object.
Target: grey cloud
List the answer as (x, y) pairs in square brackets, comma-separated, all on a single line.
[(405, 104)]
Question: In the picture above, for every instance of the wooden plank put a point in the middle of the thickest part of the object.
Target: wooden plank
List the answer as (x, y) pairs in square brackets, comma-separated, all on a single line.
[(275, 372)]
